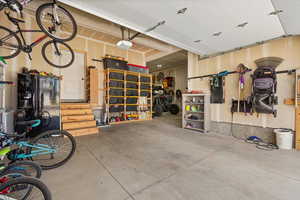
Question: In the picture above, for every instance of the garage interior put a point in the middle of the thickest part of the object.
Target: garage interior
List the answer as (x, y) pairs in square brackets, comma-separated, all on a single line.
[(182, 100)]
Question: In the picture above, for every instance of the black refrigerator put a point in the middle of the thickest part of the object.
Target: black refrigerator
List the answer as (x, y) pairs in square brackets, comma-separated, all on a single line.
[(39, 98)]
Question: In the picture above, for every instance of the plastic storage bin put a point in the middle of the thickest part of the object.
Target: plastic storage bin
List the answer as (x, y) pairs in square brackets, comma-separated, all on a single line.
[(145, 79), (132, 85), (138, 68), (118, 84), (116, 92), (116, 109), (116, 75), (145, 86), (131, 100), (116, 100), (131, 108), (132, 93), (133, 78), (115, 64)]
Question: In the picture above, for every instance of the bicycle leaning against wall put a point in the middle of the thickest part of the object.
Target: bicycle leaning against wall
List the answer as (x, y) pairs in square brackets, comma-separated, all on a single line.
[(53, 20)]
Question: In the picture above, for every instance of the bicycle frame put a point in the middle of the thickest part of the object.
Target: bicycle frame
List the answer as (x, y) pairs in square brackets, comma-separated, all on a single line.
[(33, 44), (42, 149)]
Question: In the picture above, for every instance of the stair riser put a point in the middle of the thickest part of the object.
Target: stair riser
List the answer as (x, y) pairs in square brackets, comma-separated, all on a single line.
[(77, 118), (75, 106), (79, 125), (82, 132), (76, 112)]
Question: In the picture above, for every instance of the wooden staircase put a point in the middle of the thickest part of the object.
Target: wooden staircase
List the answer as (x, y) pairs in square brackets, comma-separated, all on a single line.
[(78, 119)]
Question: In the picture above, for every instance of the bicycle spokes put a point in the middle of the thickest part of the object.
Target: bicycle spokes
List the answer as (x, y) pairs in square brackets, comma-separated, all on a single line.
[(57, 22), (58, 54), (9, 45)]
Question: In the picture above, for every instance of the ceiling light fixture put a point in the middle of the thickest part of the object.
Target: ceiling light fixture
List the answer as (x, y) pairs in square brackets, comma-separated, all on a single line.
[(276, 12), (242, 25), (181, 11), (196, 41), (217, 34), (159, 66)]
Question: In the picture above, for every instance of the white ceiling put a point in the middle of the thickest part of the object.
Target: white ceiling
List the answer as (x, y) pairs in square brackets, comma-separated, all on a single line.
[(202, 19)]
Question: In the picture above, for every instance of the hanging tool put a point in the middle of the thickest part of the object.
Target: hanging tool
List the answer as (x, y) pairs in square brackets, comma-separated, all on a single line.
[(242, 69), (2, 60), (220, 74)]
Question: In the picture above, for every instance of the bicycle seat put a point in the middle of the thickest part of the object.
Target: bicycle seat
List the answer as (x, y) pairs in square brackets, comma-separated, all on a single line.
[(31, 123)]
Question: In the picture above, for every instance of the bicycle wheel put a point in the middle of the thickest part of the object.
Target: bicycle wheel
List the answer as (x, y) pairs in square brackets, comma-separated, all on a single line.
[(30, 168), (62, 141), (12, 174), (58, 54), (10, 44), (63, 27), (17, 189)]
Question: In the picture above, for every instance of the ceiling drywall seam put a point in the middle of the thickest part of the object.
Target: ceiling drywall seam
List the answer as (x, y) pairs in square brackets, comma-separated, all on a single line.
[(243, 47), (131, 26), (280, 21)]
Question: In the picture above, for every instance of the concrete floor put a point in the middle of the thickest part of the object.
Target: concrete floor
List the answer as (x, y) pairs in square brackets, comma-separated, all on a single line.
[(157, 160)]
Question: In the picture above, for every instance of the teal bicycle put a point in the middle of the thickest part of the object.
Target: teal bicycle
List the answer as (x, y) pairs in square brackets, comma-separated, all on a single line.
[(50, 149)]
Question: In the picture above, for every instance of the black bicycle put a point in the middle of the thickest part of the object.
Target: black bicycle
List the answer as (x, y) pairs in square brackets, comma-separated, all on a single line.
[(53, 20)]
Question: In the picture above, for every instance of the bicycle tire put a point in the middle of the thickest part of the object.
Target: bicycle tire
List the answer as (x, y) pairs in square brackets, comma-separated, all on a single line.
[(44, 54), (30, 181), (39, 22), (54, 133), (18, 50), (16, 164), (14, 174)]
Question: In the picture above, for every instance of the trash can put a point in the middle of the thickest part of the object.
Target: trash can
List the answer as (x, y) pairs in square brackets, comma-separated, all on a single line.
[(284, 138)]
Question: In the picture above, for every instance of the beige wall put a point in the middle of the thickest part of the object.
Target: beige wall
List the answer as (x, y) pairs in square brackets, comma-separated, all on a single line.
[(180, 74), (286, 48), (93, 49)]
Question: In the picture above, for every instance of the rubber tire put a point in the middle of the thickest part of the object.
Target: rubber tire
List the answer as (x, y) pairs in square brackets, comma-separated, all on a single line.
[(35, 166), (174, 109), (18, 41), (67, 47), (15, 171), (32, 181), (158, 110), (69, 136), (38, 20)]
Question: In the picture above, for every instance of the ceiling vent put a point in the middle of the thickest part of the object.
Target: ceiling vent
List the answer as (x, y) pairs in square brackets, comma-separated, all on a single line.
[(242, 25), (217, 34), (181, 11), (276, 12)]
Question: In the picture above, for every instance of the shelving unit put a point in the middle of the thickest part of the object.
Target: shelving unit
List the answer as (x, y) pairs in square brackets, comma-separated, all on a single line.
[(128, 96), (195, 112)]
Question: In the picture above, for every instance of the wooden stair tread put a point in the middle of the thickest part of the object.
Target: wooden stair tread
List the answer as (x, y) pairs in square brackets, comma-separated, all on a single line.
[(75, 106), (76, 118), (76, 112), (84, 131), (77, 125)]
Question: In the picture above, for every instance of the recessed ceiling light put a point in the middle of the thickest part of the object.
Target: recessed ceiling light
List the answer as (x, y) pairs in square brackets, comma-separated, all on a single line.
[(217, 34), (196, 41), (181, 11), (276, 12), (242, 25)]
